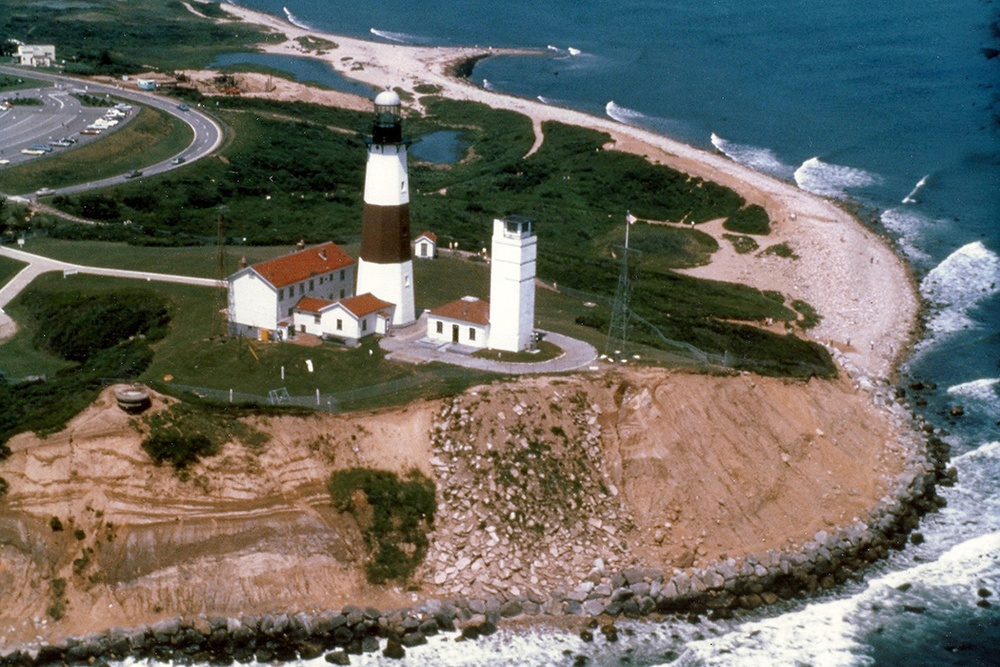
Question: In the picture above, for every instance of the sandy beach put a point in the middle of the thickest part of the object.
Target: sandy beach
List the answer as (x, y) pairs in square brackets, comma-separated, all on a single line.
[(850, 275)]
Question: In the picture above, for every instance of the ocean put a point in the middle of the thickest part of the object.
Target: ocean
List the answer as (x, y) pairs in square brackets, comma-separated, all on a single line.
[(892, 105)]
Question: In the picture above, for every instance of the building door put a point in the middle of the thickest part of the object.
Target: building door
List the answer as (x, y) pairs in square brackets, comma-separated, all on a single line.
[(454, 333)]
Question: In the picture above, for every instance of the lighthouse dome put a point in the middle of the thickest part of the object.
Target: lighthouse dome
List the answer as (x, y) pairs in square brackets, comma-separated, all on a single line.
[(387, 98)]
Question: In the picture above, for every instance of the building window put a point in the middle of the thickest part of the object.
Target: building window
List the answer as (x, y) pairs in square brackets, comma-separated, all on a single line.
[(342, 293), (342, 273), (290, 311), (340, 324), (316, 319), (406, 281), (281, 294), (423, 249), (311, 285), (364, 325), (302, 289), (472, 334), (440, 327)]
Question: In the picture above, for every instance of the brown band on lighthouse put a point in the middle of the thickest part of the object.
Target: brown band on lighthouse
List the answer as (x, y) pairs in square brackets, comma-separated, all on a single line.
[(385, 234)]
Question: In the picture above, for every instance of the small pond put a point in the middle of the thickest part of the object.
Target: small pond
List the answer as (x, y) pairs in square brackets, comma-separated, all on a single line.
[(442, 147)]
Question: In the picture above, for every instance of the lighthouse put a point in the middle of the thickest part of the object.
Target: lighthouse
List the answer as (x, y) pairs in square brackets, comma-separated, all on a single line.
[(512, 284), (385, 267)]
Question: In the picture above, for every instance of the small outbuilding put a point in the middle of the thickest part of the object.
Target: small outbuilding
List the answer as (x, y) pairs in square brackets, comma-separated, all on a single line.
[(465, 321), (425, 246)]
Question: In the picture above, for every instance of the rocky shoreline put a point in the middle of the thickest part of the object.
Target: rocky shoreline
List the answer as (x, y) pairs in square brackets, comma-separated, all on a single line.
[(717, 591)]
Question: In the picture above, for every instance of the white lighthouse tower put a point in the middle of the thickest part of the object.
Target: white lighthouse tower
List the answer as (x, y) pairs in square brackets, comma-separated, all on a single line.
[(385, 268), (512, 284)]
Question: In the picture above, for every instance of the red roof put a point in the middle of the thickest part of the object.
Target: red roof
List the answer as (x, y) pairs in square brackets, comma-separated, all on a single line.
[(311, 304), (467, 309), (431, 235), (364, 304), (304, 264)]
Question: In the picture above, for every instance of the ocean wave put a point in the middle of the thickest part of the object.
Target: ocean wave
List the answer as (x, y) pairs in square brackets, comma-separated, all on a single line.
[(958, 284), (909, 226), (624, 114), (831, 180), (760, 159), (911, 198), (570, 51), (400, 37), (985, 391), (294, 20)]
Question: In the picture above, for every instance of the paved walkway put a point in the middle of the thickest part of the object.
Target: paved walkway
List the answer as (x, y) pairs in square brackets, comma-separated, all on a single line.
[(411, 345), (37, 265)]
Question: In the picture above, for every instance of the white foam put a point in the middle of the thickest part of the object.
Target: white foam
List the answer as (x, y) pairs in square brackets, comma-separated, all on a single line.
[(294, 20), (985, 391), (761, 159), (400, 37), (624, 114), (909, 226), (487, 85), (831, 180), (958, 284), (911, 198)]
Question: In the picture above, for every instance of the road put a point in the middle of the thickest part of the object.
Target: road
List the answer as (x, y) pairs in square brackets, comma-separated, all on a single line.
[(38, 265), (63, 116)]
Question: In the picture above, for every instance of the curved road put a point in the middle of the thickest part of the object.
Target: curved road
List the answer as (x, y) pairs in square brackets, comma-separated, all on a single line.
[(207, 133)]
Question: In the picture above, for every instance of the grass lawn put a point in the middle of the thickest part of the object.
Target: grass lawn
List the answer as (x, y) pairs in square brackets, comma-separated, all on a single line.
[(9, 84), (150, 137), (9, 268), (200, 261), (194, 353)]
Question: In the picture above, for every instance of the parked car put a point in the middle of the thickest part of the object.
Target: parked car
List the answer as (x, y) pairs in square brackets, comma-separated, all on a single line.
[(135, 173), (183, 107), (178, 160)]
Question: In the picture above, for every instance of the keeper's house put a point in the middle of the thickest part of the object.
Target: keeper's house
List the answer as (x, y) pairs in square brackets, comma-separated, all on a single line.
[(36, 55), (465, 321), (347, 321), (263, 297)]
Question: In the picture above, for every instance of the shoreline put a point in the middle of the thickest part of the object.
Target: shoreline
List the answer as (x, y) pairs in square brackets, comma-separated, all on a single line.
[(849, 274), (866, 347)]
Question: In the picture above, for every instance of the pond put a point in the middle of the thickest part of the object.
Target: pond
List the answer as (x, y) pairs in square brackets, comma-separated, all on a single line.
[(303, 70), (442, 147)]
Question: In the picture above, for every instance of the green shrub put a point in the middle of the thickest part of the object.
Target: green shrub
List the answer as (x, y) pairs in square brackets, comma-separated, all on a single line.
[(76, 327), (741, 244), (750, 220), (4, 487), (781, 250), (55, 524), (394, 516), (184, 433), (810, 317)]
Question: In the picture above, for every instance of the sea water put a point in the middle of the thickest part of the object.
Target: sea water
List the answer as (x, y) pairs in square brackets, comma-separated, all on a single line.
[(891, 105)]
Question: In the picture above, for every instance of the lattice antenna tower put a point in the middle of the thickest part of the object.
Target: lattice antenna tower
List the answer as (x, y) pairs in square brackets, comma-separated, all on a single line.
[(619, 325)]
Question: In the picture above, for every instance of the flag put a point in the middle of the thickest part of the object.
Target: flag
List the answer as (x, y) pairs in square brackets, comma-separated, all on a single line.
[(629, 218)]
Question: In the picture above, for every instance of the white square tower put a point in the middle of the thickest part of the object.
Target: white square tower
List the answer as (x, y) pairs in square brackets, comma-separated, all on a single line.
[(512, 284)]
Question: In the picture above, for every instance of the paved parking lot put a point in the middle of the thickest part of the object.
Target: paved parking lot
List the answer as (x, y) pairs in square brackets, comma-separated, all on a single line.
[(61, 116)]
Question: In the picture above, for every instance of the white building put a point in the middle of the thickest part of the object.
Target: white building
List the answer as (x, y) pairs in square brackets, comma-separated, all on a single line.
[(512, 284), (505, 322), (425, 246), (262, 297), (465, 321), (348, 321), (36, 55)]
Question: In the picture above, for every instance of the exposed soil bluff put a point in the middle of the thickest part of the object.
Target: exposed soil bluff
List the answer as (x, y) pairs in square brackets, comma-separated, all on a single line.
[(658, 468)]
